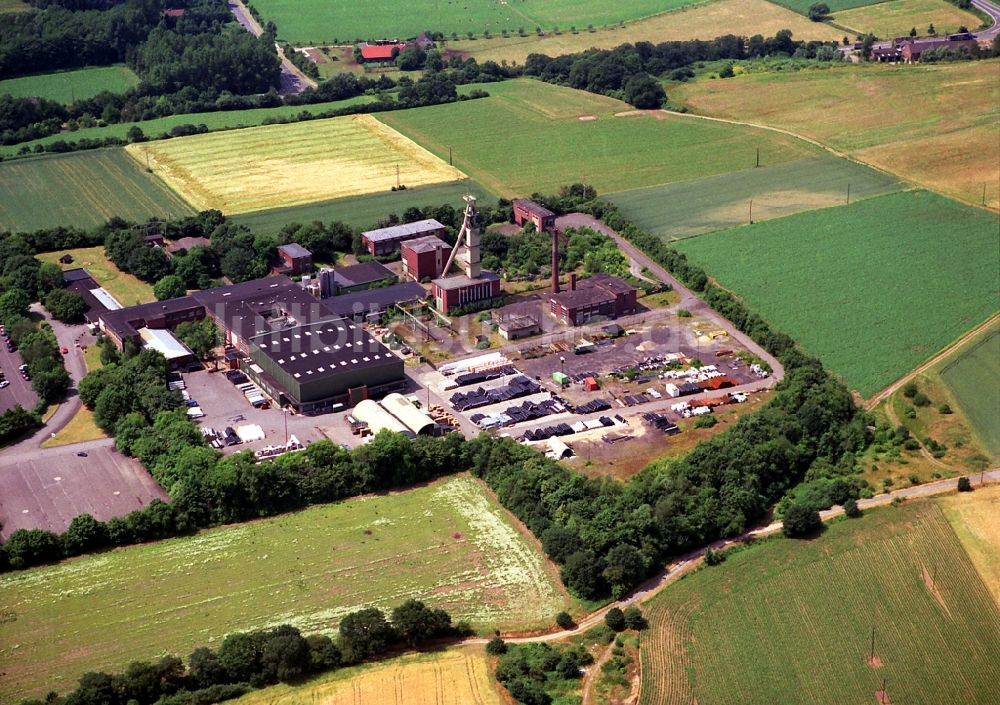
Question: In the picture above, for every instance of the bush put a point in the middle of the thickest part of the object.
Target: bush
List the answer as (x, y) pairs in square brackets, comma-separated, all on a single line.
[(800, 521), (634, 619), (852, 509), (964, 485), (944, 409), (910, 389), (615, 619), (713, 557), (564, 621), (819, 11), (920, 399), (496, 646), (706, 421)]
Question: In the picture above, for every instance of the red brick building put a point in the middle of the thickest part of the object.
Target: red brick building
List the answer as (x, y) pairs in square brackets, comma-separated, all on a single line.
[(599, 296), (385, 241), (293, 259), (526, 211), (459, 290), (425, 257)]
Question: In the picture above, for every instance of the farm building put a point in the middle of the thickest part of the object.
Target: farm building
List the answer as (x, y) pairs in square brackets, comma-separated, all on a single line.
[(424, 257), (526, 211), (186, 243), (380, 51), (385, 241), (599, 296), (359, 277), (908, 50), (462, 290), (293, 259), (154, 240)]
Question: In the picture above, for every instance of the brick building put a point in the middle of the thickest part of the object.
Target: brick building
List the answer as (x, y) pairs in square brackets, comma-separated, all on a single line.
[(386, 241), (526, 211), (599, 296), (461, 290), (424, 257), (293, 259)]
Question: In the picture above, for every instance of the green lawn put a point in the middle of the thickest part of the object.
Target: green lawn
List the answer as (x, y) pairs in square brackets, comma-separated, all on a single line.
[(447, 543), (128, 289), (802, 6), (315, 22), (791, 621), (529, 136), (680, 210), (224, 120), (873, 288), (82, 189), (972, 377), (365, 211), (67, 86)]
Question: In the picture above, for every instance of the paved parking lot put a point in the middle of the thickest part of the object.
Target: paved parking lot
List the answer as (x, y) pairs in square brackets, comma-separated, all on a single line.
[(19, 391)]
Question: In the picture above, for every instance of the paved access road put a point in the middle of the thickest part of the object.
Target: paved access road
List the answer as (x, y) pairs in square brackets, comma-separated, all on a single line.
[(292, 79), (993, 10)]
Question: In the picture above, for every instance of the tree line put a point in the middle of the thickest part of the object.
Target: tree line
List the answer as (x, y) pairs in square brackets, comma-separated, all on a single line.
[(257, 659)]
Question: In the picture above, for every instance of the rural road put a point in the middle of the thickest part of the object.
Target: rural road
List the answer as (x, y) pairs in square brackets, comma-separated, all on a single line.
[(993, 10), (292, 79)]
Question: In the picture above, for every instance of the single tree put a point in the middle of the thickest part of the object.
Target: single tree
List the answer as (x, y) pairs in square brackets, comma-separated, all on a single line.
[(564, 621), (852, 509), (169, 287), (964, 485), (819, 11), (615, 619), (800, 520), (65, 305)]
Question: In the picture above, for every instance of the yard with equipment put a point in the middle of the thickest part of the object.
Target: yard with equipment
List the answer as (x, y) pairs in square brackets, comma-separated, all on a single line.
[(82, 189), (946, 140), (69, 86), (792, 621), (457, 676), (897, 17), (126, 288), (316, 22), (679, 210), (447, 543), (284, 165), (554, 136), (705, 20), (873, 288)]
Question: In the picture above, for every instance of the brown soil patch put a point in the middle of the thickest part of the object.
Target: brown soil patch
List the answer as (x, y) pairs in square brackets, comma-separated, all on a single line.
[(587, 118), (932, 588), (874, 662), (656, 114)]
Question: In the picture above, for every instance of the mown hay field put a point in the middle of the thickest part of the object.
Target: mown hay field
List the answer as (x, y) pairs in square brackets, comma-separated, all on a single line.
[(368, 210), (531, 136), (454, 677), (897, 17), (975, 518), (948, 144), (449, 544), (972, 376), (680, 210), (127, 288), (791, 621), (239, 171), (67, 86), (83, 189), (702, 21), (873, 288), (316, 22)]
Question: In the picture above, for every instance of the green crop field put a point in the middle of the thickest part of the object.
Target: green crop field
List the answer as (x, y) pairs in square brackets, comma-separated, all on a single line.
[(791, 621), (316, 22), (83, 189), (680, 210), (222, 120), (532, 136), (802, 6), (365, 211), (972, 377), (448, 543), (895, 18), (67, 86), (873, 288)]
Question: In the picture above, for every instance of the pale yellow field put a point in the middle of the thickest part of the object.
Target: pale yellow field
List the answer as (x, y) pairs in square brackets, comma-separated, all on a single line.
[(743, 17), (239, 171), (897, 17), (975, 517), (453, 677)]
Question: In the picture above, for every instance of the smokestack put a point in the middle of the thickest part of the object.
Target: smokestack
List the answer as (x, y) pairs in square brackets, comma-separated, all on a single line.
[(555, 262), (572, 281)]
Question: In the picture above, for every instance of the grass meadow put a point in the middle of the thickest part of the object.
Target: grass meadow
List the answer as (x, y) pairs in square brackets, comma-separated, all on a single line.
[(240, 171), (552, 136), (947, 142), (791, 621), (976, 520), (67, 86), (972, 376), (365, 211), (315, 22), (128, 289), (873, 288), (700, 21), (679, 210), (448, 543), (82, 189), (457, 676), (802, 6), (896, 17), (223, 120)]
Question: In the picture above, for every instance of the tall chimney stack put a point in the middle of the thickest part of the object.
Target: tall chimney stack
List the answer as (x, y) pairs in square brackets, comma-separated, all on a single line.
[(555, 262), (572, 281)]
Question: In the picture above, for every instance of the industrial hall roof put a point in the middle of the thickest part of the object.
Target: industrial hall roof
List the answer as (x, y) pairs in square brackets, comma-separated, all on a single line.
[(394, 232), (322, 348)]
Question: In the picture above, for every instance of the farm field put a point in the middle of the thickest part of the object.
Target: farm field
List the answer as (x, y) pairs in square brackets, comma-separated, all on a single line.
[(82, 189), (240, 171), (679, 210), (791, 621), (949, 145), (555, 136), (701, 21), (873, 288), (971, 377), (976, 521), (447, 543), (802, 6), (365, 211), (454, 677), (896, 17), (128, 289), (222, 120), (67, 86), (315, 22)]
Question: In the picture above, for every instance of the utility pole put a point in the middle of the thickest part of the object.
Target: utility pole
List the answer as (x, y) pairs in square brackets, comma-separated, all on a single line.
[(450, 162), (751, 211), (758, 158), (984, 194), (397, 175), (871, 659), (848, 193)]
